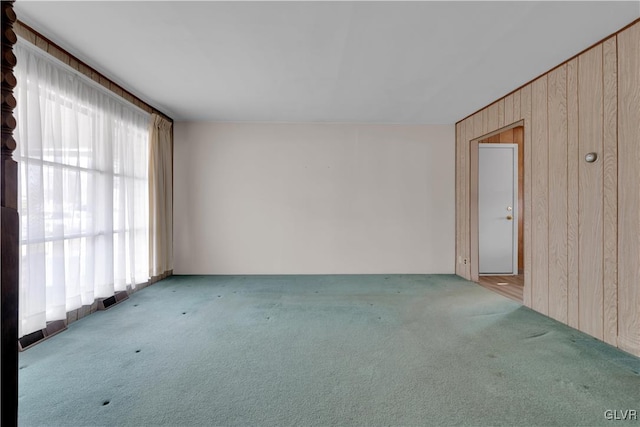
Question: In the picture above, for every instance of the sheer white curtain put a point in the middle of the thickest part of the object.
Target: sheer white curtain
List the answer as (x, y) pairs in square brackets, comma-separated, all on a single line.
[(83, 190)]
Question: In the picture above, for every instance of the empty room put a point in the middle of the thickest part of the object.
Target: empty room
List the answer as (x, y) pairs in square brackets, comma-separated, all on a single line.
[(310, 213)]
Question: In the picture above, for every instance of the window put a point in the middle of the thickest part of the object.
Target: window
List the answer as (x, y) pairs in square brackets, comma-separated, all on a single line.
[(83, 156)]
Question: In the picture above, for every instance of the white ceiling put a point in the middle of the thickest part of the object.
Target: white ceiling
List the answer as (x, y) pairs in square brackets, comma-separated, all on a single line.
[(371, 62)]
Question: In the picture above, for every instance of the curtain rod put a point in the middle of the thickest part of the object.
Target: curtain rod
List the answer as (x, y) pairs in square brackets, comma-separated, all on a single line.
[(53, 49)]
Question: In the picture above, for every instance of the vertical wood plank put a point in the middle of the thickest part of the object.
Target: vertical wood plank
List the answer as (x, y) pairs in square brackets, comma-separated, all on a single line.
[(501, 122), (468, 132), (505, 137), (462, 199), (524, 95), (628, 194), (557, 104), (590, 197), (104, 82), (459, 200), (58, 54), (572, 197), (493, 117), (485, 122), (610, 201), (473, 213), (42, 43), (517, 114), (508, 110), (540, 196), (477, 125), (73, 63), (478, 130), (24, 33), (518, 138)]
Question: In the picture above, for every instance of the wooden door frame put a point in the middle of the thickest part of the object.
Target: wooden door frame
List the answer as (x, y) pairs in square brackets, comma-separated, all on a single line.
[(474, 255)]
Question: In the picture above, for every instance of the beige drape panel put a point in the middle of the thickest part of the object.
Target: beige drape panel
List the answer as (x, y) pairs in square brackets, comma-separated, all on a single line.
[(160, 197)]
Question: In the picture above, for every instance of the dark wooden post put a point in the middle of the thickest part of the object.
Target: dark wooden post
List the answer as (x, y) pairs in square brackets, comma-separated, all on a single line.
[(9, 249)]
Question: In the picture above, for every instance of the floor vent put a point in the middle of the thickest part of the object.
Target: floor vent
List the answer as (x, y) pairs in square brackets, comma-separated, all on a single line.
[(105, 303), (34, 338)]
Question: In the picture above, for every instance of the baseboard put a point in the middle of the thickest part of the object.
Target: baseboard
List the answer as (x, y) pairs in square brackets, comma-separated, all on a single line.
[(57, 326)]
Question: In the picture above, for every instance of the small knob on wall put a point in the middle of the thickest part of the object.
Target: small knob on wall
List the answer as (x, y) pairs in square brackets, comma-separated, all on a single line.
[(591, 157)]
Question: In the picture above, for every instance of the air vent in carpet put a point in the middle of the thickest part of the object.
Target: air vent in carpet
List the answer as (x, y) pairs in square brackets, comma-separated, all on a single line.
[(29, 340), (105, 303), (34, 338)]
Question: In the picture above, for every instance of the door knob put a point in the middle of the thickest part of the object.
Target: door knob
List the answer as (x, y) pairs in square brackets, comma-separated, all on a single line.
[(509, 217)]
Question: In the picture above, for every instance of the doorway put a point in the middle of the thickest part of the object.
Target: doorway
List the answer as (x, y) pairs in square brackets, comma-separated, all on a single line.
[(509, 283)]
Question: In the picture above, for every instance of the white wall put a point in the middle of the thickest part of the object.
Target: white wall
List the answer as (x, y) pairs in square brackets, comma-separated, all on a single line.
[(313, 198)]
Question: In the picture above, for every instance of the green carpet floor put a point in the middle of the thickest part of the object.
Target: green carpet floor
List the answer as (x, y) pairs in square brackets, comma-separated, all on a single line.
[(323, 350)]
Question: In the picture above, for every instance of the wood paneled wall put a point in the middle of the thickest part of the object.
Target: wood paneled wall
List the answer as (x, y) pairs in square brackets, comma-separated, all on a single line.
[(582, 220), (628, 193)]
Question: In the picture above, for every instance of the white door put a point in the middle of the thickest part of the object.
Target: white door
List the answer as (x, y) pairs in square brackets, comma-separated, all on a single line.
[(497, 210)]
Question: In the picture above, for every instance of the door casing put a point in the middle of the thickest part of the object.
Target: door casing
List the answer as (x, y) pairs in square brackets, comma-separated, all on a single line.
[(473, 200)]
